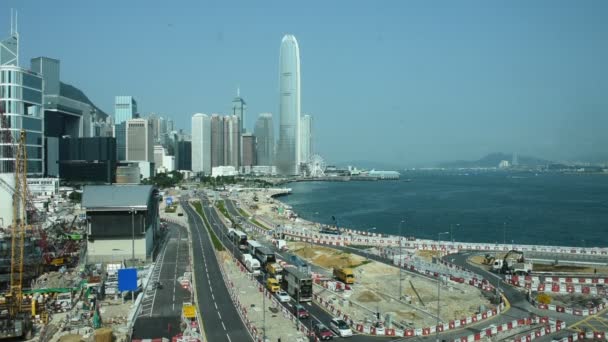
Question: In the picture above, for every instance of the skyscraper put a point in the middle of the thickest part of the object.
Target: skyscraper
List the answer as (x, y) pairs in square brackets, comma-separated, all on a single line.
[(288, 149), (125, 108), (201, 143), (248, 147), (264, 133), (217, 140), (238, 109), (139, 140), (305, 138), (232, 141)]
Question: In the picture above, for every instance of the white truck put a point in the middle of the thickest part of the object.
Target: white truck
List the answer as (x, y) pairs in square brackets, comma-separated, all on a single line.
[(253, 266)]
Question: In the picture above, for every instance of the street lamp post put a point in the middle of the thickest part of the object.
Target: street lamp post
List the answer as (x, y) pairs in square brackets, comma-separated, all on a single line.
[(367, 249), (452, 232), (438, 289), (504, 233), (400, 260)]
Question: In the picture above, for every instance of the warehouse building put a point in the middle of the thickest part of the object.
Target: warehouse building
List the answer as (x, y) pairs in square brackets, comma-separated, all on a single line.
[(123, 221)]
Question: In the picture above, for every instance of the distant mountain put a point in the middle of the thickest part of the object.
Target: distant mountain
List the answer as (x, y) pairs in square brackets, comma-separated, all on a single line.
[(71, 92), (492, 160)]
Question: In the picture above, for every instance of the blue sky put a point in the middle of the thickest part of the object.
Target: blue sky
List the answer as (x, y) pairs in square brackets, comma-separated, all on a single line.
[(408, 82)]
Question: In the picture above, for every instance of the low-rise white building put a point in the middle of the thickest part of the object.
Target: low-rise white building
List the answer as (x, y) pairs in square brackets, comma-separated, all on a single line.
[(43, 186), (223, 171)]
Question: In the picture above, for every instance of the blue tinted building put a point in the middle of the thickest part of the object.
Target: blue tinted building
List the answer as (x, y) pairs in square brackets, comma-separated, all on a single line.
[(125, 108)]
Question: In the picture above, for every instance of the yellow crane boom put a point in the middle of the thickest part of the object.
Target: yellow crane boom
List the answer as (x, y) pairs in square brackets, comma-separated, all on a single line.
[(19, 226)]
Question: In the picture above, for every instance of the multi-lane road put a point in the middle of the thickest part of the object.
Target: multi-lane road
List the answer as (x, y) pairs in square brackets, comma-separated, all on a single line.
[(220, 318), (161, 306)]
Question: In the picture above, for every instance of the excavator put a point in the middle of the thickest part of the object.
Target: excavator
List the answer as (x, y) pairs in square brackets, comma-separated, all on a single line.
[(512, 263)]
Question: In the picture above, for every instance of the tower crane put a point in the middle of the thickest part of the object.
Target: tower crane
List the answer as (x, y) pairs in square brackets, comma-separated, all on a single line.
[(19, 224)]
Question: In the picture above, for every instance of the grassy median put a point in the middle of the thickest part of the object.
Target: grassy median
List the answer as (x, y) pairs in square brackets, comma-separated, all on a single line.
[(216, 242)]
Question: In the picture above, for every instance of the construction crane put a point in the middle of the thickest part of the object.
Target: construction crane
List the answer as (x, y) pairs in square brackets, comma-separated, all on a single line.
[(19, 227), (18, 321)]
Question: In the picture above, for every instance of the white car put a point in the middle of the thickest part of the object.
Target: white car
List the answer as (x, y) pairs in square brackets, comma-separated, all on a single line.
[(283, 297), (340, 327)]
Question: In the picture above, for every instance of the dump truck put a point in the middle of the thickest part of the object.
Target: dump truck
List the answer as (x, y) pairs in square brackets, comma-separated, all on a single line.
[(344, 275), (272, 285), (274, 270)]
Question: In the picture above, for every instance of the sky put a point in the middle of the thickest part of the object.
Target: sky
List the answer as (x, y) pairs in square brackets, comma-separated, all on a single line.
[(404, 82)]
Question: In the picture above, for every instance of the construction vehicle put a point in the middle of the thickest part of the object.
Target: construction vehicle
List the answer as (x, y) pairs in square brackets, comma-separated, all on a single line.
[(489, 259), (274, 270), (272, 285), (344, 275), (512, 263)]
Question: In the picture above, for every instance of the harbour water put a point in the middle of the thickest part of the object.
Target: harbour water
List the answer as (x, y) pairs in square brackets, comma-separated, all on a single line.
[(528, 208)]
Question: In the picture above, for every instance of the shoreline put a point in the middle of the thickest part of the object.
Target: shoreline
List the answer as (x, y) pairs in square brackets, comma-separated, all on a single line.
[(279, 220)]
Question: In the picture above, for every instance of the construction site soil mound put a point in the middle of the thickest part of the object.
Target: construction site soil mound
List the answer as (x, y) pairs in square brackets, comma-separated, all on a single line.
[(328, 258)]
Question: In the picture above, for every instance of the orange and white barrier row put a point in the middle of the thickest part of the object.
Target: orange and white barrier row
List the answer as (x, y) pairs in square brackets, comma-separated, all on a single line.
[(350, 236), (554, 287), (588, 335), (494, 330), (571, 311)]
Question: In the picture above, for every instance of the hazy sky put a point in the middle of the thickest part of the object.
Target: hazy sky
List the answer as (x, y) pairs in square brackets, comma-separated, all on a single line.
[(410, 82)]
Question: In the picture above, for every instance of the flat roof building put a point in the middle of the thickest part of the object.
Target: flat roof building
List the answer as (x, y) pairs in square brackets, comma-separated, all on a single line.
[(123, 221)]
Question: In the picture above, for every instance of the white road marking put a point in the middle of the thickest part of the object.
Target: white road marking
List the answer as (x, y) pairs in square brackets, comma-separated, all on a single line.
[(218, 313), (224, 327), (229, 340), (214, 303)]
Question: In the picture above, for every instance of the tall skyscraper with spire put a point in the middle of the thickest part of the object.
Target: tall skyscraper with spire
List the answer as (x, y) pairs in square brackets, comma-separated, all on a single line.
[(288, 149)]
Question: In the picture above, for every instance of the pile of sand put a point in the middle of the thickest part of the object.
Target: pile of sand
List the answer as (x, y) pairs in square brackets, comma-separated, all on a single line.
[(327, 257)]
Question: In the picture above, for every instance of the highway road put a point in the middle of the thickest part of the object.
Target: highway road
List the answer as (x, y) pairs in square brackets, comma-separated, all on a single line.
[(161, 307), (220, 318), (324, 317)]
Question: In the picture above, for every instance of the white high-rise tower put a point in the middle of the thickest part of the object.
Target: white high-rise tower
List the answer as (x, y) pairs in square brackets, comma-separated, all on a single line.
[(288, 149), (201, 143), (305, 138)]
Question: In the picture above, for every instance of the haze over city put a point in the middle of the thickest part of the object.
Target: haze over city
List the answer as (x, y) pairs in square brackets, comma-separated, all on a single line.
[(410, 83)]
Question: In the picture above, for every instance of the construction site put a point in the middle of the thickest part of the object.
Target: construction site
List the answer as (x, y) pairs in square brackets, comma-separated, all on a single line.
[(375, 293), (44, 285)]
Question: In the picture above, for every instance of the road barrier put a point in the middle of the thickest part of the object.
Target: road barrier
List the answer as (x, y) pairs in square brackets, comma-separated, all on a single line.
[(354, 237), (494, 330), (556, 285)]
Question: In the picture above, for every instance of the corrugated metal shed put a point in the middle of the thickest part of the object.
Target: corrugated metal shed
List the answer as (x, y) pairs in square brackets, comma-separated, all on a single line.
[(116, 197)]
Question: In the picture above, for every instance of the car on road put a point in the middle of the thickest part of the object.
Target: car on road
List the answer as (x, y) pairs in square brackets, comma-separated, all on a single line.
[(283, 297), (322, 332), (340, 327), (300, 312)]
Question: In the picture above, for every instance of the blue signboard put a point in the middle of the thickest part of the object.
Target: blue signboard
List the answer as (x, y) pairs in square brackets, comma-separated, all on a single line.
[(127, 279), (169, 200)]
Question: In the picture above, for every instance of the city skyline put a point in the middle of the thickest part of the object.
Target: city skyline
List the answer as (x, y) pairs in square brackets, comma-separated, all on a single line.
[(479, 86)]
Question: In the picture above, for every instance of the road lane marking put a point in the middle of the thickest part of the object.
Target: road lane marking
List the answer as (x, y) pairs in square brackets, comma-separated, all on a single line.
[(224, 327), (214, 303), (229, 340), (218, 313)]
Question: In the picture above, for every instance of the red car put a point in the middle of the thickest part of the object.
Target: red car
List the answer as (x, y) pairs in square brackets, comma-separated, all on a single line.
[(300, 312), (322, 332)]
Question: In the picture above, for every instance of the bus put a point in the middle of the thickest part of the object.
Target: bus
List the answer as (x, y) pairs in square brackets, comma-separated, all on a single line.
[(265, 255), (239, 238), (298, 284)]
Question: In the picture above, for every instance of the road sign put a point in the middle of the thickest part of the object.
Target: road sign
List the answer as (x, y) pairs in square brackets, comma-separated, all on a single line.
[(127, 279), (169, 200), (189, 311)]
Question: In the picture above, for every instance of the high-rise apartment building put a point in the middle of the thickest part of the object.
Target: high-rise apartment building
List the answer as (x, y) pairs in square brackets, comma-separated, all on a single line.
[(201, 143), (238, 108), (183, 155), (248, 151), (288, 149), (125, 108), (232, 141), (217, 140), (139, 140), (305, 138), (264, 133)]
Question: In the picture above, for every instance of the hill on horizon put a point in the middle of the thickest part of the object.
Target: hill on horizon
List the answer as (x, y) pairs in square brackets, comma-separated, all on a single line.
[(493, 159)]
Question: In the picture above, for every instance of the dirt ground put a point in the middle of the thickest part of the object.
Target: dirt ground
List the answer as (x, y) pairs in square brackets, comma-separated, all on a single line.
[(575, 301), (325, 257), (376, 288), (570, 269)]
